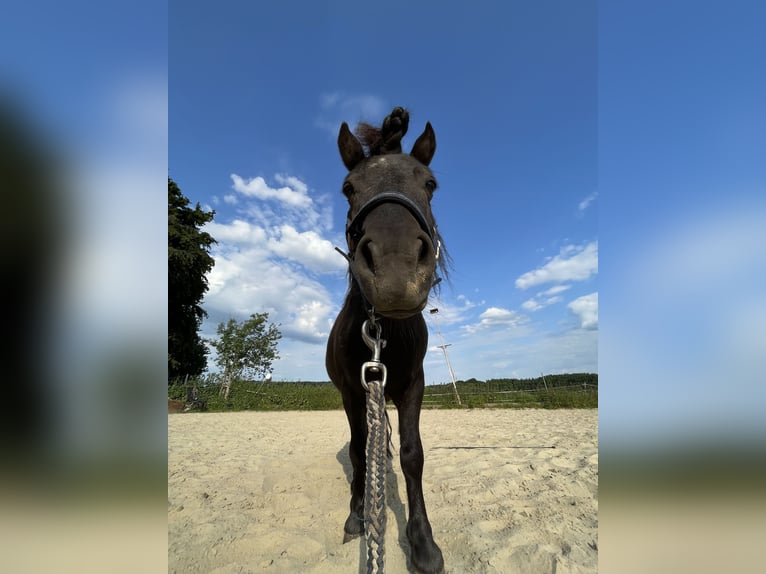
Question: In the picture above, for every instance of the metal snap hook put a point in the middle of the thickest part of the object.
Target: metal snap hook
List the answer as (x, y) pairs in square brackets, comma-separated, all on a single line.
[(374, 344)]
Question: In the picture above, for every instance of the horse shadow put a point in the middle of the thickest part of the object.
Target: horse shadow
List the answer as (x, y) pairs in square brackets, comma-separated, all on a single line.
[(396, 508)]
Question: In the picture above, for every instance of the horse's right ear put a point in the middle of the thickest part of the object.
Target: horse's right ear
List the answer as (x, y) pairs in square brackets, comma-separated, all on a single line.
[(425, 146), (351, 151)]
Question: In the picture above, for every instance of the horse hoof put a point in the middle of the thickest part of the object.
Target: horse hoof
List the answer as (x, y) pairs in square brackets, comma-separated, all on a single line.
[(425, 555), (428, 560), (349, 536), (353, 528)]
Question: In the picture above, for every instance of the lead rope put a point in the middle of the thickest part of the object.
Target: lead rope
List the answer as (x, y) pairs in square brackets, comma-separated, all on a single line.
[(378, 429), (375, 453)]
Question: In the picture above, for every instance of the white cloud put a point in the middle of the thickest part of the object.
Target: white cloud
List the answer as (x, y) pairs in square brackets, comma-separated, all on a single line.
[(307, 248), (339, 107), (586, 309), (292, 181), (364, 105), (496, 317), (238, 231), (535, 304), (545, 298), (267, 258), (294, 192), (555, 290), (313, 318), (532, 305), (583, 205), (450, 314), (329, 100), (247, 281), (573, 263)]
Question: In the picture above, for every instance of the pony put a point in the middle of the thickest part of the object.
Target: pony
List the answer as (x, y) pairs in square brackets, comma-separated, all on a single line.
[(394, 250)]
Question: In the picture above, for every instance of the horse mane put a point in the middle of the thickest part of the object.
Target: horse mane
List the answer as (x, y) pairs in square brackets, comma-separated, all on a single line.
[(387, 138), (444, 264)]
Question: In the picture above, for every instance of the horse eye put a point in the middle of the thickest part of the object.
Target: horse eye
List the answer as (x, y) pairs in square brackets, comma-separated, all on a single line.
[(431, 185), (348, 189)]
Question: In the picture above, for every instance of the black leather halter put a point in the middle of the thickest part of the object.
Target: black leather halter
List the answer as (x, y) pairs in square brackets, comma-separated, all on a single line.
[(354, 226), (354, 233)]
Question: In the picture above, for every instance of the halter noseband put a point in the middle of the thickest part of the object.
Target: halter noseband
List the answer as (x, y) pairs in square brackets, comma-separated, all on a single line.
[(354, 226), (354, 232)]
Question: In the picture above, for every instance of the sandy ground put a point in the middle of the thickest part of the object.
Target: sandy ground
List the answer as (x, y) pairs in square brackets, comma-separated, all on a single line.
[(506, 491)]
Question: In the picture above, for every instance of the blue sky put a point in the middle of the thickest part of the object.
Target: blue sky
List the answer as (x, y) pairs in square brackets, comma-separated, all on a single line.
[(657, 106), (257, 93)]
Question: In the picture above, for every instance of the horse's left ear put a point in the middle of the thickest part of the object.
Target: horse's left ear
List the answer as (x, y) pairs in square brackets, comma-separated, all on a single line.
[(425, 146), (351, 151)]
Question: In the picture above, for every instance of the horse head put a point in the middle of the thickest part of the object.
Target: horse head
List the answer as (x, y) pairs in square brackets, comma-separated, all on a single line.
[(392, 238)]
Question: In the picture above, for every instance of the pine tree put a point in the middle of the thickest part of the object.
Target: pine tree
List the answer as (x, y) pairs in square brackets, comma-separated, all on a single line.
[(189, 261)]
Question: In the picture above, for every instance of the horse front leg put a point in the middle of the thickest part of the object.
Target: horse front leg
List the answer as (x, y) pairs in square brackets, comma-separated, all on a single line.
[(356, 412), (426, 555)]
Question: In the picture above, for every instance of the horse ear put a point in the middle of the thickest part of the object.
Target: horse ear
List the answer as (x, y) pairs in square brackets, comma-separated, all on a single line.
[(425, 146), (351, 151)]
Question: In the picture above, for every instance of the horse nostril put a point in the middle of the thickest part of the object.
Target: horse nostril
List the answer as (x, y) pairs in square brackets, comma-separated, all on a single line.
[(367, 255), (424, 252)]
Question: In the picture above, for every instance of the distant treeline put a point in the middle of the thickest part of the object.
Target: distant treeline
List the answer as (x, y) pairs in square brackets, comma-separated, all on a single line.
[(576, 390)]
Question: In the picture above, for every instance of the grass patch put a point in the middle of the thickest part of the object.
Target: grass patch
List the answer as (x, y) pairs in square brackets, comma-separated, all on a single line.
[(568, 391)]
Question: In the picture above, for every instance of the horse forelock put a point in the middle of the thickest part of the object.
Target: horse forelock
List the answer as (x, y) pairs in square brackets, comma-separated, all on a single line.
[(387, 138), (370, 137), (375, 142)]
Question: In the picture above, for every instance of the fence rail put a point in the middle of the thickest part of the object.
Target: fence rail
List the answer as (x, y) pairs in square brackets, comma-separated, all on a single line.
[(498, 395), (583, 387)]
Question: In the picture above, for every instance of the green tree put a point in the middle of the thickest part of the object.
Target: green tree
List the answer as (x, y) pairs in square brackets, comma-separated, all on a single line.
[(189, 261), (246, 349)]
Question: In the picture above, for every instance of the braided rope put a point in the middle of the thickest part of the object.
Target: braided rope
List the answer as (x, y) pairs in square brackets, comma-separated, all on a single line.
[(375, 482)]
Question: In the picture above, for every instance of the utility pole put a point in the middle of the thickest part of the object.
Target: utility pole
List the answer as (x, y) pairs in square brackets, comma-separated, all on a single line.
[(443, 347)]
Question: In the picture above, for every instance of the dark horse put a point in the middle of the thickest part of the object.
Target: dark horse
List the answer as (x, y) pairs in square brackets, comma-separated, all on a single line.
[(393, 254)]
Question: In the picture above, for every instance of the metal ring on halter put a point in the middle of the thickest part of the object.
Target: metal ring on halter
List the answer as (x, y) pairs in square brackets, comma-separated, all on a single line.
[(374, 367)]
